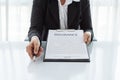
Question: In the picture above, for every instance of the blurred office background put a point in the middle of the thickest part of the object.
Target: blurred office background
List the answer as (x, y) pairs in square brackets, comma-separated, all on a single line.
[(15, 19)]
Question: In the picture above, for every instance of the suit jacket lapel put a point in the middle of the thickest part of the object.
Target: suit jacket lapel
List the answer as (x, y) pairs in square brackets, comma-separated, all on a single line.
[(54, 9), (73, 11)]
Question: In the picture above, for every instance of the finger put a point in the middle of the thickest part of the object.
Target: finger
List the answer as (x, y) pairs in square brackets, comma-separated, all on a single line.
[(89, 39), (36, 47), (85, 38), (40, 51), (29, 51)]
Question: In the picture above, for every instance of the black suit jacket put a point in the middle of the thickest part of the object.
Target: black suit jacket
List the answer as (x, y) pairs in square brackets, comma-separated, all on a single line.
[(45, 16)]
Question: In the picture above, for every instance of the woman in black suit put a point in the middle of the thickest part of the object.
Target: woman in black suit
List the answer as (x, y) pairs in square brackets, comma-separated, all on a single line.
[(57, 14)]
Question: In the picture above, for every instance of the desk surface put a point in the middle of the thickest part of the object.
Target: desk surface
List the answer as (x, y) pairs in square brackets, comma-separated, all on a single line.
[(16, 65)]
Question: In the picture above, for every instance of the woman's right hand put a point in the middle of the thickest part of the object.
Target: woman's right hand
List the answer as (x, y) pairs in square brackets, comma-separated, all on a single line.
[(34, 48)]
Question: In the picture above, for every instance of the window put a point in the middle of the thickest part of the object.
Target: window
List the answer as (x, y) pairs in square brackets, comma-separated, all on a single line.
[(15, 19)]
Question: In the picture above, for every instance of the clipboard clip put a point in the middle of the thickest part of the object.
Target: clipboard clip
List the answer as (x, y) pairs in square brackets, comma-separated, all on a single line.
[(67, 30)]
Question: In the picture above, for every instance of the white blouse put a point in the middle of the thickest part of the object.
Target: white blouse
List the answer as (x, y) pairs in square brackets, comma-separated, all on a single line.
[(63, 9)]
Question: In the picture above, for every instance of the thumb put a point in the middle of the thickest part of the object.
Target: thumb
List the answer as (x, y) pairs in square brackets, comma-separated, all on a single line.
[(36, 47), (85, 38)]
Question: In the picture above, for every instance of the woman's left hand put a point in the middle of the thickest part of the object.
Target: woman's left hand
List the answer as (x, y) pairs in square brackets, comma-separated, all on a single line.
[(87, 37)]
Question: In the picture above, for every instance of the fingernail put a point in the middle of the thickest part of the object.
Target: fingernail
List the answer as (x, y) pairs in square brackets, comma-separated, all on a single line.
[(35, 52), (85, 40)]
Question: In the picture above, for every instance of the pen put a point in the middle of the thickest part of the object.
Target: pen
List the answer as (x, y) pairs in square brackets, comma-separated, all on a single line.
[(34, 58)]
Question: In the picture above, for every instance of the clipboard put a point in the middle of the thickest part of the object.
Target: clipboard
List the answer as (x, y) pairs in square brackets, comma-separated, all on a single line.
[(66, 46)]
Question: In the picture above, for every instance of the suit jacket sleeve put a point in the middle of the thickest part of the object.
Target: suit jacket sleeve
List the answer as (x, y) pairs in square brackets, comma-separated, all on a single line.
[(86, 23), (37, 19)]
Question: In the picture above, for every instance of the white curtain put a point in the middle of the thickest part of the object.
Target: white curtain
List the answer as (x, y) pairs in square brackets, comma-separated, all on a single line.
[(15, 19), (106, 19)]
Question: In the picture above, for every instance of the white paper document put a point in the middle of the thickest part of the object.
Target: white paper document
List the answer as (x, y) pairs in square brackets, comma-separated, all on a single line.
[(66, 45)]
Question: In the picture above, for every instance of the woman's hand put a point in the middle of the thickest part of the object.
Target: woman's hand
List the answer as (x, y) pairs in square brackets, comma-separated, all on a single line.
[(87, 37), (34, 48)]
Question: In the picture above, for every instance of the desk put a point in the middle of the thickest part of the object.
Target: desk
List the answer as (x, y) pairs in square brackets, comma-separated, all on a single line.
[(15, 64)]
